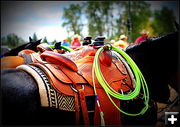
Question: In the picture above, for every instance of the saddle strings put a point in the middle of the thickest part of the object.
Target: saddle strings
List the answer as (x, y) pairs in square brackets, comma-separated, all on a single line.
[(140, 81), (96, 97)]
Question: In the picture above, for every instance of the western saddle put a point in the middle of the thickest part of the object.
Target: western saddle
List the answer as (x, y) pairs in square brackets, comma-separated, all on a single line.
[(71, 75)]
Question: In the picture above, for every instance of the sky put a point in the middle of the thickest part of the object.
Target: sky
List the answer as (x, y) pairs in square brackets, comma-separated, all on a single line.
[(24, 18)]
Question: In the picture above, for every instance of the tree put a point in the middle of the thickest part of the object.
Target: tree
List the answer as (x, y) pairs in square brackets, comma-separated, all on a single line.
[(163, 21), (72, 19), (12, 40), (120, 22), (68, 39), (110, 19), (45, 40), (34, 37), (54, 42), (99, 15), (140, 15)]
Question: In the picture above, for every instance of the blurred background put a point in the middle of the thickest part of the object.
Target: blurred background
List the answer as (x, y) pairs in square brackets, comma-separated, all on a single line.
[(54, 21)]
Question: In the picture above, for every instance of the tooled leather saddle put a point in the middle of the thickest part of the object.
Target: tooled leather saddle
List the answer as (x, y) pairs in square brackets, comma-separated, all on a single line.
[(71, 75)]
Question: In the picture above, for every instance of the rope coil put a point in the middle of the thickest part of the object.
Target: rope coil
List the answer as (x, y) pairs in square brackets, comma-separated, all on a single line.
[(140, 81)]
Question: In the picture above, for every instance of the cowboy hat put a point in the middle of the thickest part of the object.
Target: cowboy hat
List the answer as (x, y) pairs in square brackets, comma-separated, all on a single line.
[(77, 36), (123, 37), (112, 41), (144, 32)]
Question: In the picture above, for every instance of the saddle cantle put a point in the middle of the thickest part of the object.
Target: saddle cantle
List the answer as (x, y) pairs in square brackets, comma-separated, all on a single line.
[(73, 77), (58, 59)]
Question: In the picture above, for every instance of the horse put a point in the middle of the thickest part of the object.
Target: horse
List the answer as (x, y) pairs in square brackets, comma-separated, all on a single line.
[(23, 51), (157, 58), (30, 45), (21, 100)]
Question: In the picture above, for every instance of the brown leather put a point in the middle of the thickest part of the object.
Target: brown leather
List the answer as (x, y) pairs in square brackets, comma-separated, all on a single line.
[(77, 106), (77, 55), (11, 61), (25, 51), (112, 75), (36, 58), (106, 58), (84, 106), (59, 85), (111, 114), (62, 78), (57, 58)]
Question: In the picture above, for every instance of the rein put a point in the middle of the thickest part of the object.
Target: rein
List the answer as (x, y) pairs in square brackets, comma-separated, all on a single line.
[(140, 81)]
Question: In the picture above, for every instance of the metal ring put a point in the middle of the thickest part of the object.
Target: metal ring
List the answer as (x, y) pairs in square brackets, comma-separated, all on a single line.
[(73, 88), (76, 89), (122, 92)]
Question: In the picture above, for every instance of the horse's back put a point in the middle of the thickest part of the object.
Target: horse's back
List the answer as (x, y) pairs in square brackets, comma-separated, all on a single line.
[(19, 96), (21, 102)]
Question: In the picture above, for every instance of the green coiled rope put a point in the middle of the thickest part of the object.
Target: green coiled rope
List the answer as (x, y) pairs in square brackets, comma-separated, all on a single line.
[(140, 81)]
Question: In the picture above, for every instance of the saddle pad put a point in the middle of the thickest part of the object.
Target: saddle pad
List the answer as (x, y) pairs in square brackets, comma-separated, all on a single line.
[(48, 95), (109, 115)]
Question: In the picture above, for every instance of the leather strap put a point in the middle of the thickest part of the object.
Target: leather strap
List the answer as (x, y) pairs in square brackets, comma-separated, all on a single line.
[(84, 107), (111, 114), (76, 108)]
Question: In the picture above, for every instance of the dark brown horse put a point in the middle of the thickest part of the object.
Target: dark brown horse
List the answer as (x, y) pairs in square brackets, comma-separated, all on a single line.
[(30, 45), (156, 60)]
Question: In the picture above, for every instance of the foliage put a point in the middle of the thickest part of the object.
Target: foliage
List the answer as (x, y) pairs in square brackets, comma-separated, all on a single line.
[(68, 39), (99, 16), (45, 40), (112, 18), (34, 37), (140, 15), (103, 22), (163, 20), (12, 40), (53, 42), (72, 19)]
